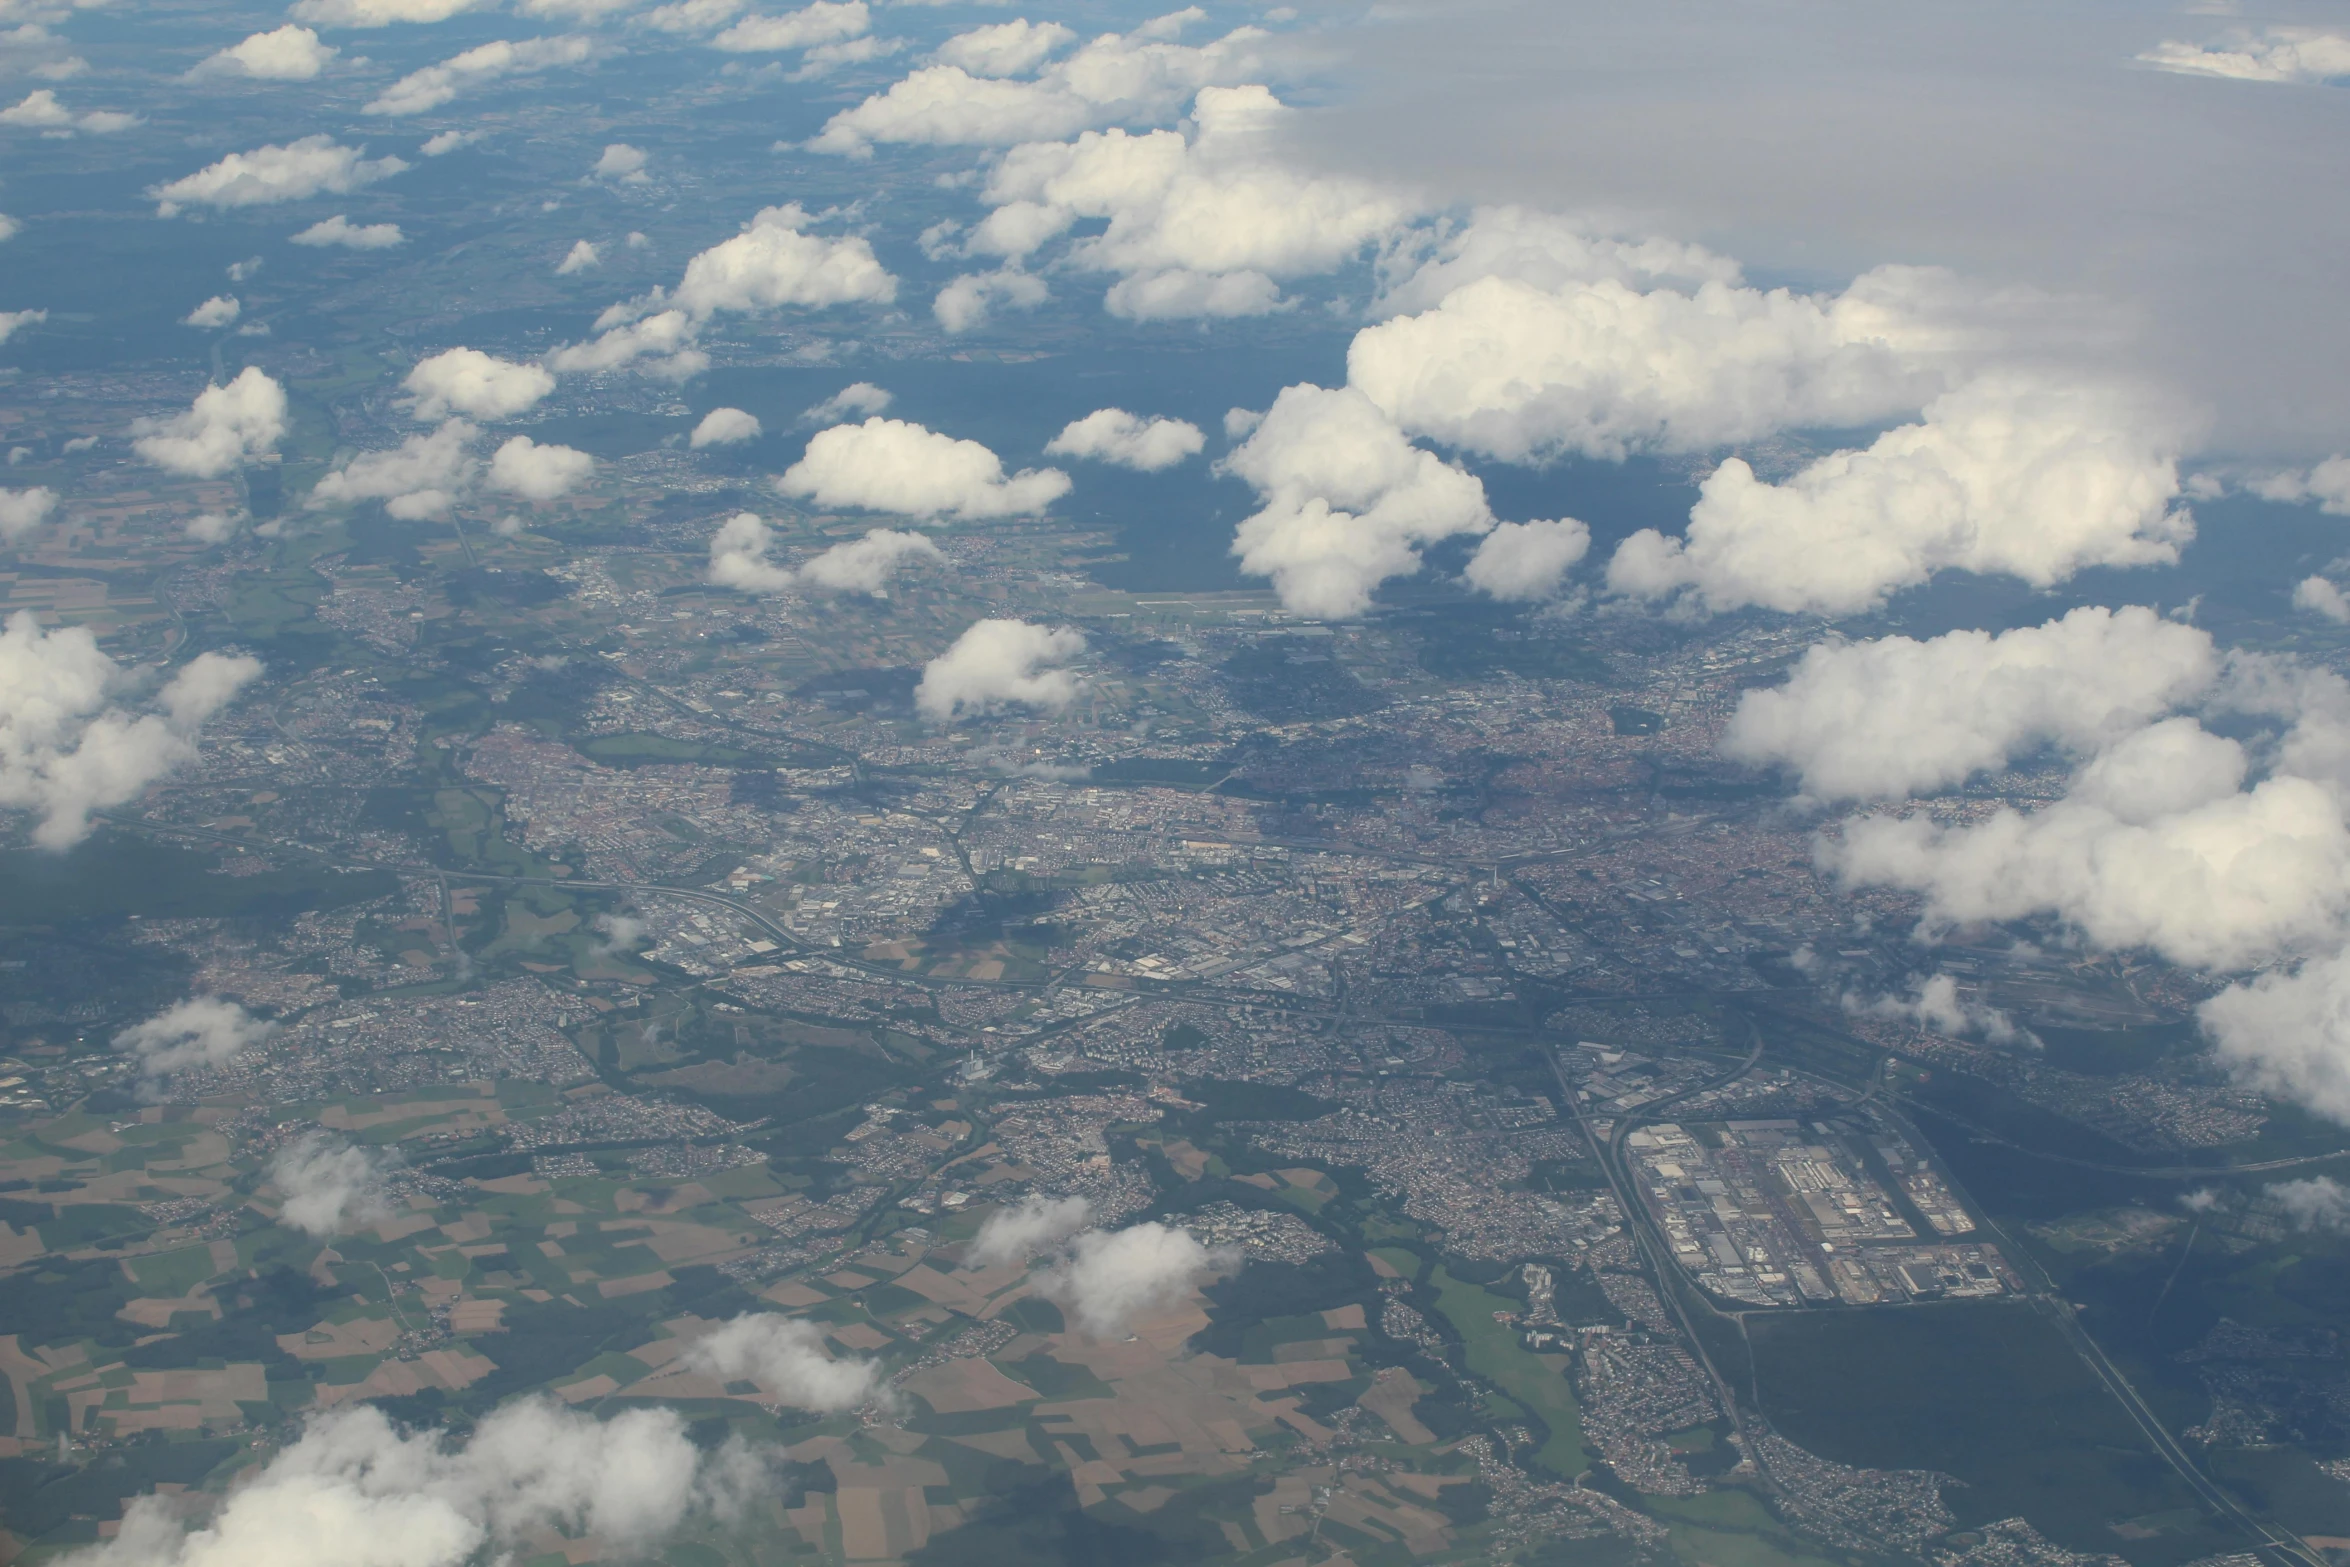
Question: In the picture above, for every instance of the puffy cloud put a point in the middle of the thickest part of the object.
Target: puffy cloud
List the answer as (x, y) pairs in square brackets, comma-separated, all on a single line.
[(772, 263), (286, 54), (326, 1184), (866, 565), (579, 258), (858, 397), (2317, 1202), (724, 427), (826, 21), (827, 58), (9, 229), (2156, 844), (895, 466), (2287, 1032), (218, 311), (664, 343), (540, 473), (1527, 371), (1142, 75), (1348, 502), (622, 164), (693, 16), (212, 527), (1018, 1233), (1197, 225), (968, 301), (392, 1498), (379, 13), (41, 110), (739, 551), (2007, 475), (1113, 1277), (420, 92), (997, 662), (2322, 597), (618, 933), (445, 142), (478, 385), (200, 1031), (312, 166), (340, 230), (738, 556), (12, 320), (2280, 55), (1934, 1003), (787, 1358), (1006, 48), (1893, 717), (2328, 484), (421, 477), (1522, 561), (1113, 435), (223, 427), (1425, 266), (21, 511)]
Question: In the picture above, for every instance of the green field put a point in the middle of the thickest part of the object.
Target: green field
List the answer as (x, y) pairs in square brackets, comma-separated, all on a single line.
[(2015, 1414), (1495, 1354)]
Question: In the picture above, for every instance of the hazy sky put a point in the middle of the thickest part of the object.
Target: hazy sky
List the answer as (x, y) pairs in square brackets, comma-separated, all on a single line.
[(2019, 142)]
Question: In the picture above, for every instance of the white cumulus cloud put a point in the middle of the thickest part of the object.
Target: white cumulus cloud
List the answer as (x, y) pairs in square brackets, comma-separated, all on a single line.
[(224, 427), (1112, 1278), (1892, 717), (621, 164), (971, 300), (521, 466), (1204, 224), (1520, 562), (2278, 55), (41, 110), (2005, 476), (21, 511), (2322, 597), (579, 258), (200, 1031), (1005, 48), (218, 311), (739, 553), (341, 231), (1000, 662), (11, 321), (724, 427), (478, 385), (380, 13), (325, 1185), (2156, 844), (895, 466), (788, 1359), (420, 478), (1113, 435), (858, 397), (1348, 501), (314, 165), (826, 21), (420, 92), (392, 1498), (1033, 1225), (1141, 76), (2328, 484), (1935, 1004), (286, 54)]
